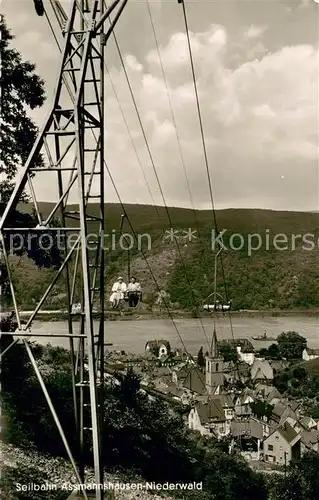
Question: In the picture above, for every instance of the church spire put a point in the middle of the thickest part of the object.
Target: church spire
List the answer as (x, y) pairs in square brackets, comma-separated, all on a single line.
[(214, 345)]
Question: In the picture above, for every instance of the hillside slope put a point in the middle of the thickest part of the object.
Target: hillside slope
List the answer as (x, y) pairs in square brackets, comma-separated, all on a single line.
[(282, 272)]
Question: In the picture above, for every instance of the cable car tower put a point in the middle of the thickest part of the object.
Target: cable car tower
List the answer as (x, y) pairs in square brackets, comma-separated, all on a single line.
[(71, 145)]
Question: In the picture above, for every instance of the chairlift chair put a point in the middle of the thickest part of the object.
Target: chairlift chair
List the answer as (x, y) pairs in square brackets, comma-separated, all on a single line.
[(39, 7), (216, 305)]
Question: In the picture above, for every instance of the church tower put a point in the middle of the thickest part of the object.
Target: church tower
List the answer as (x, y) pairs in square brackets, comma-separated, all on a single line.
[(214, 365)]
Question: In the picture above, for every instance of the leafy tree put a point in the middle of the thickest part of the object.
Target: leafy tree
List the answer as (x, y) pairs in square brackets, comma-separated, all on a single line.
[(301, 480), (261, 409), (314, 411), (291, 345), (22, 90), (228, 352), (300, 373), (223, 474), (200, 358), (281, 382), (272, 352)]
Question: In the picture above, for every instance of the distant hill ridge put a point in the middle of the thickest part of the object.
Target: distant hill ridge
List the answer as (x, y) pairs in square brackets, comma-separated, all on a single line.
[(265, 279)]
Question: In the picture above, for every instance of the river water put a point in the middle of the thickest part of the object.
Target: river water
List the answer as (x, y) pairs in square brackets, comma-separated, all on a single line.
[(132, 335)]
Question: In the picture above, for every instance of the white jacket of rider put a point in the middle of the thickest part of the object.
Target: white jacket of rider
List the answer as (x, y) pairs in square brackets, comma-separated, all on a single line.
[(134, 287), (118, 290)]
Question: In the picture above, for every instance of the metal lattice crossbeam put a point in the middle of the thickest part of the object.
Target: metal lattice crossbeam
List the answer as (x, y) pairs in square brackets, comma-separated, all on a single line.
[(71, 144)]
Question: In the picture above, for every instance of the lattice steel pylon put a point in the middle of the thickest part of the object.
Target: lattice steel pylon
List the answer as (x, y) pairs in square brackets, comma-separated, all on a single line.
[(71, 143)]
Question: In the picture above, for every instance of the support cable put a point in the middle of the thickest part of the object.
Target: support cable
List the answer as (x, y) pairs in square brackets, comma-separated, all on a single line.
[(166, 304), (131, 139), (156, 175), (172, 113), (205, 150), (132, 228)]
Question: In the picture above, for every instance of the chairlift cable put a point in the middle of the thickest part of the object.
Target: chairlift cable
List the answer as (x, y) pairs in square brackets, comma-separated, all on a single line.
[(123, 207), (142, 251), (204, 148), (172, 115), (156, 175), (158, 287), (131, 139), (174, 122)]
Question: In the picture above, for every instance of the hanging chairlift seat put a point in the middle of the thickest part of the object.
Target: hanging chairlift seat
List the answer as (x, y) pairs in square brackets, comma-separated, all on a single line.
[(217, 307), (39, 7)]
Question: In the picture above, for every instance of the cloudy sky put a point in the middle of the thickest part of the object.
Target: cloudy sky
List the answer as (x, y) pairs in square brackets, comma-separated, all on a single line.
[(257, 73)]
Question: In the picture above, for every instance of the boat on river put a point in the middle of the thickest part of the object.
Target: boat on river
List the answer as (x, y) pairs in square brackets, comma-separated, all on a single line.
[(264, 337)]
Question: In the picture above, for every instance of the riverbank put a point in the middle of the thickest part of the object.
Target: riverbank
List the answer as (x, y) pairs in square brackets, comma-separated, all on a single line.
[(142, 314)]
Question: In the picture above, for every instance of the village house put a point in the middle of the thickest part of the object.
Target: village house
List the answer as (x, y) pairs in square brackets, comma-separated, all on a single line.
[(227, 404), (267, 428), (248, 436), (282, 411), (308, 354), (162, 371), (309, 441), (268, 393), (168, 388), (261, 371), (282, 445), (158, 348), (309, 423), (278, 365), (168, 360), (248, 357), (159, 384), (243, 402), (194, 382), (209, 419), (179, 374)]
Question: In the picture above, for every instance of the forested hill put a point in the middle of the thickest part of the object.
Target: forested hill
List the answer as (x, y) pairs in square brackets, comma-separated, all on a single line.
[(269, 259)]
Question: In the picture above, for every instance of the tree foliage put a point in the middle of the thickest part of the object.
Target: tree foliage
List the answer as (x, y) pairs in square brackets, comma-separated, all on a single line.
[(291, 345), (261, 409), (22, 90), (228, 352), (272, 352), (142, 436), (301, 480), (200, 358)]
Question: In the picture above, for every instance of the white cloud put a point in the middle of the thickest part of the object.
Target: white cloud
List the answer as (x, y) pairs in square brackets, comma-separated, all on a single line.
[(255, 31), (260, 114), (259, 118)]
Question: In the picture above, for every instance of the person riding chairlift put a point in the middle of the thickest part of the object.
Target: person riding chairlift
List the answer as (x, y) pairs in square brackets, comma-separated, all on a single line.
[(133, 292), (118, 292)]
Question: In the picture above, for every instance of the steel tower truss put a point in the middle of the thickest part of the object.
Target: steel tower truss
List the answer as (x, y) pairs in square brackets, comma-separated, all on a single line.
[(71, 144)]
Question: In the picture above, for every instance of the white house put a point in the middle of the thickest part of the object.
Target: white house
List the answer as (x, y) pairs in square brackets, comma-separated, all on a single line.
[(247, 357), (282, 445), (309, 423), (308, 354), (158, 347), (209, 419)]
